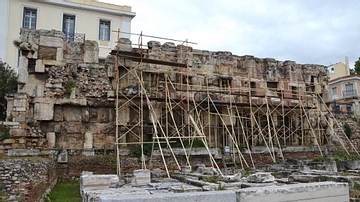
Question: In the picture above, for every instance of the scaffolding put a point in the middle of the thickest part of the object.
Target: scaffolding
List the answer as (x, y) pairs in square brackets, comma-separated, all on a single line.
[(161, 102)]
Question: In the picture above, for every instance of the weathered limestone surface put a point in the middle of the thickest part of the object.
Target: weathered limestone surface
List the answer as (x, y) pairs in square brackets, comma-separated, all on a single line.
[(141, 178), (261, 177), (88, 181), (65, 91), (322, 191), (23, 152), (222, 196)]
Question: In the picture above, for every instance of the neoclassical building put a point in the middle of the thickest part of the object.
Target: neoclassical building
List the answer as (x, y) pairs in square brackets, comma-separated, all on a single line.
[(78, 19)]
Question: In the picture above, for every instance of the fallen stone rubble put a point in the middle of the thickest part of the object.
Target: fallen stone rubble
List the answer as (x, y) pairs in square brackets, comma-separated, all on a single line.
[(146, 185)]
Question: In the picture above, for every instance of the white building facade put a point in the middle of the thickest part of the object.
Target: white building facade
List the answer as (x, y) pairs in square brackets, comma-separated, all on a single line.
[(90, 19)]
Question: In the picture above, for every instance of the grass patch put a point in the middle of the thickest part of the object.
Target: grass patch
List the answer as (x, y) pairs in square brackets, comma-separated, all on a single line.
[(211, 179), (341, 155), (66, 191), (356, 192), (220, 188), (319, 159), (246, 173)]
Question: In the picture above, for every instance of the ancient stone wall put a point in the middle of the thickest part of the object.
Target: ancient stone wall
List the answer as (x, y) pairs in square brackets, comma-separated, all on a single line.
[(66, 99), (25, 180)]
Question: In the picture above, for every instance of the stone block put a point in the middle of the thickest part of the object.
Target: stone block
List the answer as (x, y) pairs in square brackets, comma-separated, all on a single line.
[(19, 103), (91, 56), (93, 195), (24, 35), (73, 140), (18, 146), (94, 182), (111, 94), (39, 67), (111, 71), (34, 37), (141, 177), (186, 169), (17, 132), (73, 93), (50, 137), (63, 157), (47, 53), (310, 192), (12, 124), (209, 196), (43, 111), (85, 115), (29, 89), (75, 102), (8, 141), (39, 91), (51, 41), (55, 85), (88, 143), (57, 127), (58, 113), (59, 54), (88, 152), (103, 115), (53, 62), (72, 114), (23, 71), (261, 177), (22, 141), (23, 152), (73, 127), (185, 188), (74, 53)]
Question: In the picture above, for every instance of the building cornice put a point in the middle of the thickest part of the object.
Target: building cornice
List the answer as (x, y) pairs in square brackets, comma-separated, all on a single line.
[(345, 78), (87, 7)]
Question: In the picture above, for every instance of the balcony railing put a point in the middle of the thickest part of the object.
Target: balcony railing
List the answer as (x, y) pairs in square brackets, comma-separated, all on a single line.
[(350, 93), (76, 37)]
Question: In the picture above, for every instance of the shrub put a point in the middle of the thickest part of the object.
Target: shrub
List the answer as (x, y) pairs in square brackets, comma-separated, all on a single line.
[(347, 130), (8, 84), (70, 84), (4, 132)]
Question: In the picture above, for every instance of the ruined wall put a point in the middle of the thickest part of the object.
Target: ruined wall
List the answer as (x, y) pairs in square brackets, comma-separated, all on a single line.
[(62, 95), (224, 90), (66, 99), (25, 180)]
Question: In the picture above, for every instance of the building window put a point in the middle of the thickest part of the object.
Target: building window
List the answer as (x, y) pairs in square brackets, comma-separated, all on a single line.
[(29, 20), (349, 90), (104, 30), (101, 61), (334, 91), (272, 85), (69, 27)]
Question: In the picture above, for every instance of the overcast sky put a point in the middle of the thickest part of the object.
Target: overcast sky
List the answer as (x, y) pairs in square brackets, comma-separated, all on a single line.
[(305, 31)]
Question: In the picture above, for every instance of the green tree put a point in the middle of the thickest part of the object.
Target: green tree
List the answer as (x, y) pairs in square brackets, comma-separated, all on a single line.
[(8, 84), (357, 66)]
